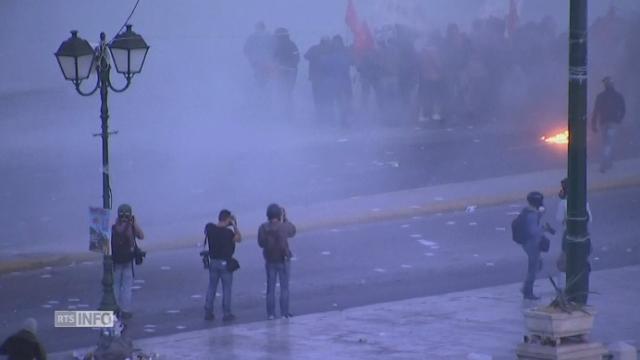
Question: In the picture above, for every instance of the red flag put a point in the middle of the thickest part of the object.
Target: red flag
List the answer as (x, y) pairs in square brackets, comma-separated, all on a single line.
[(363, 39), (351, 17), (512, 18)]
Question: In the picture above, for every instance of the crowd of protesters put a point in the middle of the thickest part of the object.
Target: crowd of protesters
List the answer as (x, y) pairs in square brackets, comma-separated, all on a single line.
[(496, 69)]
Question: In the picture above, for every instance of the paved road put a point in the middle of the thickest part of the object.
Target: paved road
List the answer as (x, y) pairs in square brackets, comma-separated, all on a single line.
[(182, 171), (334, 269)]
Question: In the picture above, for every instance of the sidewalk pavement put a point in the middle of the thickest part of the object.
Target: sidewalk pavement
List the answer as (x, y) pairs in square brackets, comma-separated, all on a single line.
[(476, 324), (399, 204)]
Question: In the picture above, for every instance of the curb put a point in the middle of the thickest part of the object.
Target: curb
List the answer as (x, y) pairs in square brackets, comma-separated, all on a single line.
[(37, 262)]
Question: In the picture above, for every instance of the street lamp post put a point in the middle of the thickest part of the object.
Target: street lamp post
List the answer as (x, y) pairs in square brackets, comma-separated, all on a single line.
[(578, 239), (77, 59)]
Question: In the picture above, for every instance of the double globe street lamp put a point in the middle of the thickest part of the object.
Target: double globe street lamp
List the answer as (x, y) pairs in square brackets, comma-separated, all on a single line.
[(78, 60)]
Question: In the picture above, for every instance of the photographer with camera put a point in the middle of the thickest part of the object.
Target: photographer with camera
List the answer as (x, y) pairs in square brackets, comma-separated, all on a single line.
[(535, 242), (124, 252), (273, 238), (222, 238)]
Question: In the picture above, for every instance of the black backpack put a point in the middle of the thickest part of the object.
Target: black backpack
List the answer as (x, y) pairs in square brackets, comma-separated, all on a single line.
[(274, 249), (519, 228), (122, 245)]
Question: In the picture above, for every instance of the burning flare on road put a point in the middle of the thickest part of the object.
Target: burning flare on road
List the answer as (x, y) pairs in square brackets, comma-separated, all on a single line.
[(559, 138)]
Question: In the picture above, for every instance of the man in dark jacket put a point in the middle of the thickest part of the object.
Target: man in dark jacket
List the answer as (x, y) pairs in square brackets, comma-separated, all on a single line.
[(273, 238), (24, 344), (318, 56), (608, 113)]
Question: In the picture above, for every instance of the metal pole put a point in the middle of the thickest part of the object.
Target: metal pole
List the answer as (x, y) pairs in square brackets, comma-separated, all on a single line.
[(108, 301), (578, 241)]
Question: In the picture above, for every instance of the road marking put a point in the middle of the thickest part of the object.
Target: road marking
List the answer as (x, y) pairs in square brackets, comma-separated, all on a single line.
[(149, 326), (451, 223), (139, 281), (326, 253), (149, 330), (196, 296), (427, 243), (380, 270), (473, 223), (173, 311), (475, 255), (428, 254), (181, 327), (629, 250), (416, 218), (53, 302), (416, 236), (490, 264), (45, 276), (406, 266), (165, 267), (84, 306), (512, 213), (404, 226), (136, 287)]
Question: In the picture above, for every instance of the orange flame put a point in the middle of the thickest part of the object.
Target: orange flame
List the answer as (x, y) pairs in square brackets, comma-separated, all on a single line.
[(560, 138)]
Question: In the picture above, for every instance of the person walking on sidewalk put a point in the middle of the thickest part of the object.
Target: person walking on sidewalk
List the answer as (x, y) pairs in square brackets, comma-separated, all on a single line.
[(24, 345), (123, 243), (222, 244), (561, 218), (533, 236), (273, 238), (608, 113)]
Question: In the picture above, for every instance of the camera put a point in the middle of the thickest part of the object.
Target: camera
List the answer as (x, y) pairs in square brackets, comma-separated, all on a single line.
[(139, 255), (205, 258)]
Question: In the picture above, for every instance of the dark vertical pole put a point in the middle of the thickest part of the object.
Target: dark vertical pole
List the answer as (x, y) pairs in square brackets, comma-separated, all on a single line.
[(104, 116), (578, 242), (108, 301)]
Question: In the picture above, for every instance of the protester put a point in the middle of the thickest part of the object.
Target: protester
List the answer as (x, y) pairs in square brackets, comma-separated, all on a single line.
[(607, 115), (318, 56), (286, 59), (222, 244), (258, 50), (24, 345), (273, 238), (123, 244)]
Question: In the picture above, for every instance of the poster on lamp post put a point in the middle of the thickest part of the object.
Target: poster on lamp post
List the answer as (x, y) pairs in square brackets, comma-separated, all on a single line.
[(99, 231)]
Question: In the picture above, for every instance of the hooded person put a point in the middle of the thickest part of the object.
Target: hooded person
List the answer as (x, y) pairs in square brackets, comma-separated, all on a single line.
[(24, 344)]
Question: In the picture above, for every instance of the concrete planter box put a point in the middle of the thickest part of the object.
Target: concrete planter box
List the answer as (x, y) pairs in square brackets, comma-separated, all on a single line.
[(555, 324)]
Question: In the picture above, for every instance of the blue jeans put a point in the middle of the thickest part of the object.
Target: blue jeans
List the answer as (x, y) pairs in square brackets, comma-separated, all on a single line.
[(609, 132), (122, 283), (278, 271), (534, 264), (218, 271)]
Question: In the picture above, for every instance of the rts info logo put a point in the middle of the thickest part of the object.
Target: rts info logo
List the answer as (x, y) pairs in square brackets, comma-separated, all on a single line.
[(84, 319)]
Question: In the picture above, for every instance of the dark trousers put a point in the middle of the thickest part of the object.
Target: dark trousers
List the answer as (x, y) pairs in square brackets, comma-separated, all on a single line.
[(534, 264)]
